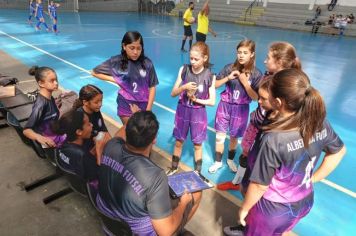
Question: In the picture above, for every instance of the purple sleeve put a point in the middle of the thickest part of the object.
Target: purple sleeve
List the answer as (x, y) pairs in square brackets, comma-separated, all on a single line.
[(256, 79), (104, 68), (267, 162), (224, 72), (36, 115), (333, 143), (153, 77)]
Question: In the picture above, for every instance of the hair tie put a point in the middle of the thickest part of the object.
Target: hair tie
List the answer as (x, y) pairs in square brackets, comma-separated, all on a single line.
[(308, 90)]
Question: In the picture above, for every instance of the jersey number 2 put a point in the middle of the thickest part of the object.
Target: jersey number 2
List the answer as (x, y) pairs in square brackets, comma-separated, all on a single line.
[(134, 85)]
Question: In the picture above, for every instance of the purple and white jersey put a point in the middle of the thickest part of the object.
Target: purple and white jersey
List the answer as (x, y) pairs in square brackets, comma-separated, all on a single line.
[(286, 166), (234, 90), (135, 81), (44, 113), (203, 80), (258, 116)]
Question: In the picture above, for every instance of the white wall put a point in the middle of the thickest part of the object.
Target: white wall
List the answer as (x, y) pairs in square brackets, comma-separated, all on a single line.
[(307, 2)]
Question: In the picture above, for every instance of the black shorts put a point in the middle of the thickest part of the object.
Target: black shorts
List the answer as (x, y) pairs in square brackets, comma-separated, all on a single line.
[(188, 31), (200, 37)]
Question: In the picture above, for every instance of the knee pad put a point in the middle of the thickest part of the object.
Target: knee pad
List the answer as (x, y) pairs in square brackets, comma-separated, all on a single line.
[(220, 138)]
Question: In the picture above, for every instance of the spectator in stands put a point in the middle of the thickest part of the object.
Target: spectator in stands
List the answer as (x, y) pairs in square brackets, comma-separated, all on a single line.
[(340, 23), (317, 12), (188, 19), (203, 23), (134, 189), (331, 19), (280, 192), (73, 155), (44, 111), (90, 101), (351, 18)]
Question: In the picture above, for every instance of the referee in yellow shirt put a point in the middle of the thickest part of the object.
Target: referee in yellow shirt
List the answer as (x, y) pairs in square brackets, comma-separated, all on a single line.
[(203, 24), (187, 22)]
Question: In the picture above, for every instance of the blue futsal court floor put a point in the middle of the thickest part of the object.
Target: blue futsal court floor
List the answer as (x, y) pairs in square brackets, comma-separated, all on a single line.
[(87, 39)]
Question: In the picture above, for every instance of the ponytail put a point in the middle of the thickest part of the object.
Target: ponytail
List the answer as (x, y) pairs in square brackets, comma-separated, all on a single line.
[(296, 64), (86, 93), (40, 73), (285, 54), (293, 87), (77, 103), (312, 114)]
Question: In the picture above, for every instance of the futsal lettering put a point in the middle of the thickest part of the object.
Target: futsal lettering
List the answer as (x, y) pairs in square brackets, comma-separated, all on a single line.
[(126, 174), (295, 145)]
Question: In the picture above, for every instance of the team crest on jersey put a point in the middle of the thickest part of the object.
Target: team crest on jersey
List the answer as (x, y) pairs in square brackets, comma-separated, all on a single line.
[(200, 88), (143, 73)]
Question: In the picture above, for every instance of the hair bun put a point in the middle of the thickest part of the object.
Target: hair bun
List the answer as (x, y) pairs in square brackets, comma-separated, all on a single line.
[(32, 70)]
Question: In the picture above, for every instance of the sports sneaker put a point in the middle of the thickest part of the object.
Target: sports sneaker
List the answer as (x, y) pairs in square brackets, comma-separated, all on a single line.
[(171, 171), (227, 186), (217, 165), (183, 50), (37, 28), (232, 165), (234, 230)]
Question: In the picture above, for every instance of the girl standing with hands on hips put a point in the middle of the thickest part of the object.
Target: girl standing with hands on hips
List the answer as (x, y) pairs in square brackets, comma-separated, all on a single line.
[(134, 73), (280, 192), (241, 80), (195, 86)]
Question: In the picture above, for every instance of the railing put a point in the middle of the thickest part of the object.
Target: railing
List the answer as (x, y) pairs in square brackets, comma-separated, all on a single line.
[(249, 9), (156, 6)]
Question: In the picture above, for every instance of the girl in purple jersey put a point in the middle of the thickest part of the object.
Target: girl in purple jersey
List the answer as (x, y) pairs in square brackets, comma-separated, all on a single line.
[(90, 101), (195, 86), (241, 80), (134, 73), (44, 111), (281, 55), (280, 192)]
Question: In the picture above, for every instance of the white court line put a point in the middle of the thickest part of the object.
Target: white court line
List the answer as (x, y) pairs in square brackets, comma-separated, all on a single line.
[(86, 76), (327, 182), (83, 41), (338, 187)]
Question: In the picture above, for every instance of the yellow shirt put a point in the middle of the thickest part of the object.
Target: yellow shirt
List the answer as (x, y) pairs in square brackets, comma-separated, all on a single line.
[(187, 15), (203, 24)]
